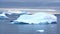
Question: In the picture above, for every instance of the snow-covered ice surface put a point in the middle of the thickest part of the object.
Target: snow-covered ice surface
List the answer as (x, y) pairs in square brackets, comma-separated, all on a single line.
[(37, 18)]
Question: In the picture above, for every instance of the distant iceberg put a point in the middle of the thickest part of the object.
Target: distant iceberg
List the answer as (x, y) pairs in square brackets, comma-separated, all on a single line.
[(3, 15), (36, 18), (17, 12)]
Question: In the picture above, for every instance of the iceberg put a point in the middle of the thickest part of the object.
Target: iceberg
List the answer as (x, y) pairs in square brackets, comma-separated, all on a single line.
[(17, 12), (3, 15), (36, 18), (40, 30)]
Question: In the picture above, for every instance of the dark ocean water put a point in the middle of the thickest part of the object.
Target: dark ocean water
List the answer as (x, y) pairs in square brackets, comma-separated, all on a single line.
[(28, 29)]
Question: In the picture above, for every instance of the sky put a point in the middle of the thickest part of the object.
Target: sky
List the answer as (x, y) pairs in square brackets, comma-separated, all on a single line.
[(53, 4)]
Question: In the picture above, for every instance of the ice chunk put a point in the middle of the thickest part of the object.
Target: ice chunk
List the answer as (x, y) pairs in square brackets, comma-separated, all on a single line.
[(40, 30)]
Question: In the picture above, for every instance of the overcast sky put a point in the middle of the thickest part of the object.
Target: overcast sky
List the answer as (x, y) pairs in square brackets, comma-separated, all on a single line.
[(29, 3), (29, 0)]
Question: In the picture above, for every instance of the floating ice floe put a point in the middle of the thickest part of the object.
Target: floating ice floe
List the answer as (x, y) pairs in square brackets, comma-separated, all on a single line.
[(40, 31), (36, 18)]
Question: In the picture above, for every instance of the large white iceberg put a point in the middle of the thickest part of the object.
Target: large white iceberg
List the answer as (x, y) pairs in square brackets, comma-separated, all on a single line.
[(36, 18)]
